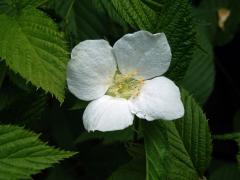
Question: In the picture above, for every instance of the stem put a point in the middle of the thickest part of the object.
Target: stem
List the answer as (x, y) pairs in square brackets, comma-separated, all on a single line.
[(135, 135), (2, 72), (137, 129)]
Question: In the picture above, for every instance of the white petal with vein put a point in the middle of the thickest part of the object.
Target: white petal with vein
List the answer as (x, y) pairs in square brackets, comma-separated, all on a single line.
[(107, 114), (91, 69), (159, 99), (148, 54)]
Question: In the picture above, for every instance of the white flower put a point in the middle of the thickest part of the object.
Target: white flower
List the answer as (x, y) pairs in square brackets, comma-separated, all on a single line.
[(123, 80)]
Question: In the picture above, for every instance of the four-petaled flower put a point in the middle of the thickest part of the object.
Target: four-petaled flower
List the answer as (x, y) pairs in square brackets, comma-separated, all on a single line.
[(124, 80)]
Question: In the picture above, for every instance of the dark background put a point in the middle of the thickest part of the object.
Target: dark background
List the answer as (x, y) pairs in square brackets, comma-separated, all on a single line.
[(224, 101)]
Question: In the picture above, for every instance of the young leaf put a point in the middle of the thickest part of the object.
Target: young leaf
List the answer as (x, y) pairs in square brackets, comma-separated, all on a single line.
[(174, 146), (32, 46), (22, 154)]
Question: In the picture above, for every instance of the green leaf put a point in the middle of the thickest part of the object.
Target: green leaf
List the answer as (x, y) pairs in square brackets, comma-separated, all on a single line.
[(80, 20), (174, 146), (207, 17), (105, 6), (199, 78), (166, 155), (22, 154), (32, 46), (136, 13), (31, 3), (154, 4), (27, 3), (157, 150), (174, 19), (194, 131), (14, 7)]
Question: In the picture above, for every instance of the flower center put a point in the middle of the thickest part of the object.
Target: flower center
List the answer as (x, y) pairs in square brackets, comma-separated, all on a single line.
[(125, 86)]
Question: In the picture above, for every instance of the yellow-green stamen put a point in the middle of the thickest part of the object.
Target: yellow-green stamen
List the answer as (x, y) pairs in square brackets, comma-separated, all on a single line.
[(125, 86)]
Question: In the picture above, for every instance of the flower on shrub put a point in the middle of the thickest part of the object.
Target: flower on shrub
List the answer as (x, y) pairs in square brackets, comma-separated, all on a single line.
[(124, 80)]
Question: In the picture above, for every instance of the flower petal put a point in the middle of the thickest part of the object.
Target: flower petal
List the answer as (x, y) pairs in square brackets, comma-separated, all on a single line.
[(159, 99), (143, 52), (91, 69), (107, 114)]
